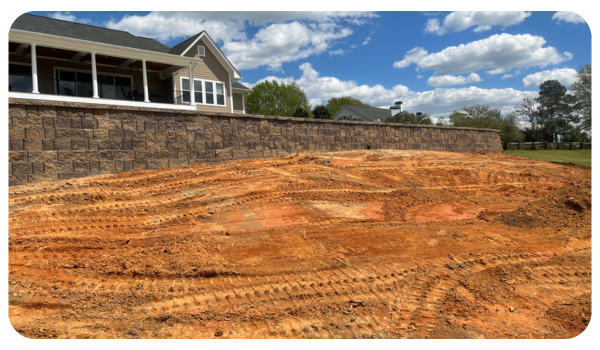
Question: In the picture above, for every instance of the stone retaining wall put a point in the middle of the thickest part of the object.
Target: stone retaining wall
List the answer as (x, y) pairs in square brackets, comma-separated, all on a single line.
[(57, 140)]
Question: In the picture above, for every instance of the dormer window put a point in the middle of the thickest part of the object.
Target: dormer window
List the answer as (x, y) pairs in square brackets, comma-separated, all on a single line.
[(201, 52)]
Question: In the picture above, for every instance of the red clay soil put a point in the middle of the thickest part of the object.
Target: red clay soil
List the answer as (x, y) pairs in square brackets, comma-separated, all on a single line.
[(361, 244)]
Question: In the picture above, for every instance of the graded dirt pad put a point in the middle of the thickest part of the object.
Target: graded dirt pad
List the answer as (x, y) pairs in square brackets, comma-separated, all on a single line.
[(361, 244)]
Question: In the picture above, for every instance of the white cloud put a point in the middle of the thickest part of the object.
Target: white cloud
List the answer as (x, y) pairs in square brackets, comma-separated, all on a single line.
[(481, 20), (499, 53), (419, 76), (568, 16), (565, 76), (506, 76), (280, 43), (450, 80), (337, 52), (282, 36), (442, 102), (67, 16), (438, 102), (367, 40)]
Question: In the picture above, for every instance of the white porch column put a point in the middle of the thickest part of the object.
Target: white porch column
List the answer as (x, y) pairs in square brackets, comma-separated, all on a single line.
[(230, 92), (94, 75), (244, 103), (192, 91), (146, 97), (34, 75)]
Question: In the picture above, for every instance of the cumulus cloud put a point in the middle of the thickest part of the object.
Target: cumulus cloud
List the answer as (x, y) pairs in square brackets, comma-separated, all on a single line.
[(568, 16), (439, 102), (565, 76), (281, 37), (450, 80), (324, 88), (284, 42), (499, 54), (67, 16), (482, 21)]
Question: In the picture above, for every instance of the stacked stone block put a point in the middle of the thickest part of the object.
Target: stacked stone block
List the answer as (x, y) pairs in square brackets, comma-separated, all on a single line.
[(54, 140)]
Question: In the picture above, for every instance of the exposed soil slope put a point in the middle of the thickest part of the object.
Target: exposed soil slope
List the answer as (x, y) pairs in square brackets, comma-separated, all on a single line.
[(390, 244)]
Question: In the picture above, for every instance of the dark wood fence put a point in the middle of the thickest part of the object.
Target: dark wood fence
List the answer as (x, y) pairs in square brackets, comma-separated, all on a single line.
[(532, 146)]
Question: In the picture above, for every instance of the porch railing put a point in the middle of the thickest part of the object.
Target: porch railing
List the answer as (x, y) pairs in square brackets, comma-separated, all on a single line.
[(24, 83)]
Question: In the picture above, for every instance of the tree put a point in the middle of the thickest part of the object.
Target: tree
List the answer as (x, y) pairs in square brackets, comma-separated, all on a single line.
[(528, 110), (321, 112), (410, 118), (556, 110), (272, 98), (482, 116), (582, 90), (335, 103), (300, 113)]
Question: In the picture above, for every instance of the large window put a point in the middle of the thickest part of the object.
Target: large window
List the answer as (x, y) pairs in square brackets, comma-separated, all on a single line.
[(19, 78), (73, 83), (205, 91)]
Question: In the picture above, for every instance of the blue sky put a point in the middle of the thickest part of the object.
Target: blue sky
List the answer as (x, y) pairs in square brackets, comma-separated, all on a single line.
[(436, 62)]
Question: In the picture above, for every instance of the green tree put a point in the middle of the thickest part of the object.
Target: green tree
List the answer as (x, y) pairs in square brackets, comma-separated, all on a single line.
[(529, 112), (321, 112), (582, 89), (300, 113), (410, 118), (335, 103), (556, 110), (272, 98), (482, 116)]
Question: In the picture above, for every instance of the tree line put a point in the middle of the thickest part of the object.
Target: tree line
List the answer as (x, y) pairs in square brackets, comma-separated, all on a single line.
[(555, 115)]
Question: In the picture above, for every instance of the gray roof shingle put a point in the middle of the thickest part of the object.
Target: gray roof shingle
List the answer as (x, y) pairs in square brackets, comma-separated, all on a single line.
[(45, 25), (237, 85), (371, 114), (180, 48)]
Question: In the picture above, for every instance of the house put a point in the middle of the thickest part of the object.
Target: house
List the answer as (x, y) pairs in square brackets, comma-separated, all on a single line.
[(51, 59), (370, 114)]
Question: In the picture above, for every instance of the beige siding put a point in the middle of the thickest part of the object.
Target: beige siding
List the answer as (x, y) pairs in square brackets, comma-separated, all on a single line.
[(210, 69), (238, 105), (46, 68)]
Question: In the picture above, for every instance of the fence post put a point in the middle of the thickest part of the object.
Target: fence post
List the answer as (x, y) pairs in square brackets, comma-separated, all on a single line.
[(519, 145), (546, 145)]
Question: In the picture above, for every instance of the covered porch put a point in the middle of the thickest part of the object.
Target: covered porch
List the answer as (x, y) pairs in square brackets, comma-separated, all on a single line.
[(59, 71)]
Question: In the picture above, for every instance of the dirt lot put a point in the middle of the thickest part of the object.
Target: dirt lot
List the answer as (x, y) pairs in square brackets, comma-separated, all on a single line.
[(362, 244)]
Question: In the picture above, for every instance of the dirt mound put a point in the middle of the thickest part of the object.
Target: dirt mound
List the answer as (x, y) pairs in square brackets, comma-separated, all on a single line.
[(569, 206), (361, 244)]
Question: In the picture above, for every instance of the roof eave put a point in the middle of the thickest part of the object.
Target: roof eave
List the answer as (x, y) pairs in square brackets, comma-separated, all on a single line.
[(66, 43)]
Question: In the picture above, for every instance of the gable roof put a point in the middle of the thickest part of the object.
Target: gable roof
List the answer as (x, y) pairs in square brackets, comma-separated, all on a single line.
[(183, 46), (189, 43), (45, 25), (372, 114)]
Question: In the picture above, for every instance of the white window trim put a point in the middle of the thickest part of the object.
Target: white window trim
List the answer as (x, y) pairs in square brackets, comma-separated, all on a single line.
[(54, 68), (203, 50), (204, 91)]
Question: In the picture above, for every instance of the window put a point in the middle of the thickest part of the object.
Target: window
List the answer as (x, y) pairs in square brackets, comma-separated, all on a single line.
[(220, 94), (185, 90), (205, 91), (19, 78), (209, 93), (201, 51), (74, 83)]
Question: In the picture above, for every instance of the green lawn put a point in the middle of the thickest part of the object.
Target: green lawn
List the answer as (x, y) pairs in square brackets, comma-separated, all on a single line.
[(581, 157)]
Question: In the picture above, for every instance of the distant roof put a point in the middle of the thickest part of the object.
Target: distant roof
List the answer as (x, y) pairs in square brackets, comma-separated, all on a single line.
[(45, 25), (371, 114), (237, 85)]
